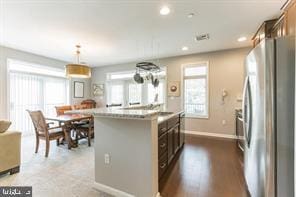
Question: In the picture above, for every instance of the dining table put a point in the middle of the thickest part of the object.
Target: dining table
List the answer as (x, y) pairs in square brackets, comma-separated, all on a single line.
[(68, 122)]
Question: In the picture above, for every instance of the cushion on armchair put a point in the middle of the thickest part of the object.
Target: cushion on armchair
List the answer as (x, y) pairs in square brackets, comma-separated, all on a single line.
[(10, 151), (4, 125)]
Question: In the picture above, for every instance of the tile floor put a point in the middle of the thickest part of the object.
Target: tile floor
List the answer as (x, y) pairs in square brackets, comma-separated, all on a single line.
[(64, 173)]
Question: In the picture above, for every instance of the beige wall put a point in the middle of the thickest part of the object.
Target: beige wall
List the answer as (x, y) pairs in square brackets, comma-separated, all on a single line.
[(226, 71), (8, 53)]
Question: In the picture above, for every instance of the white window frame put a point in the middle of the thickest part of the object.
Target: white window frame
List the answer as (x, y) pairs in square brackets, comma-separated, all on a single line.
[(196, 64), (55, 74), (126, 81), (51, 72)]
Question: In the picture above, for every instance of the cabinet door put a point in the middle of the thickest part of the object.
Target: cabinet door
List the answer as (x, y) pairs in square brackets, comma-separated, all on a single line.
[(176, 139), (170, 145), (163, 145), (162, 165), (182, 129)]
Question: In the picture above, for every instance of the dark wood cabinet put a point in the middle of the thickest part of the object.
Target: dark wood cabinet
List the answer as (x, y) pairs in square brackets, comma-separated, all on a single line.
[(282, 26), (162, 128), (170, 139), (163, 144), (182, 129), (162, 164), (170, 145), (176, 135)]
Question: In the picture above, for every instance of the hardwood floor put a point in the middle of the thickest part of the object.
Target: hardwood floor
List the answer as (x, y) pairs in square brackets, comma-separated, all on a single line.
[(207, 167)]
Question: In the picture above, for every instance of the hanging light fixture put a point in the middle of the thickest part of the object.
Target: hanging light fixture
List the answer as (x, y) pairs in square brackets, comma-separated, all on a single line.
[(78, 70)]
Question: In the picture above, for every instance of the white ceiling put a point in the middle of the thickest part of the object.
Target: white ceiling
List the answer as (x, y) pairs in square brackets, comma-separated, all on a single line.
[(120, 31)]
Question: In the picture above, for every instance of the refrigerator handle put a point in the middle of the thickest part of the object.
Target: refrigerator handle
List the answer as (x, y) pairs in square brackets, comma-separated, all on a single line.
[(247, 111)]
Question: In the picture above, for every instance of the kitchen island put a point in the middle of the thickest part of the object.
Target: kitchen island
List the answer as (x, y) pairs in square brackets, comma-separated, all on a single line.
[(127, 150)]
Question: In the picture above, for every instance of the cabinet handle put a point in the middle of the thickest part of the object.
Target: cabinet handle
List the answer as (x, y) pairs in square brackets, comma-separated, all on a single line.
[(162, 166), (163, 145)]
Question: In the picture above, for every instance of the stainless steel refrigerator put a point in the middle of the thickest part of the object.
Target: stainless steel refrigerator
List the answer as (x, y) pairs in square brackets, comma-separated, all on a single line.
[(268, 117)]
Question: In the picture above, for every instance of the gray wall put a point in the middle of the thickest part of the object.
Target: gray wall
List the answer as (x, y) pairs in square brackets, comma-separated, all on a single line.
[(133, 149), (9, 53), (226, 71)]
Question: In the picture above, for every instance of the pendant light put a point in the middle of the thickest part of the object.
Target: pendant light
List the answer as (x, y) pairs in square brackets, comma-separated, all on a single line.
[(78, 70)]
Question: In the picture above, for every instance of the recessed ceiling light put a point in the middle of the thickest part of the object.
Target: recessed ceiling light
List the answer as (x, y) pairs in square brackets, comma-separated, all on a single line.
[(164, 10), (185, 48), (190, 15), (242, 39)]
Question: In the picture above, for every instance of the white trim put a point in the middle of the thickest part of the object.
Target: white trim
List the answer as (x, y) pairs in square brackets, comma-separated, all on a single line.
[(183, 66), (194, 116), (110, 190), (218, 135), (28, 67)]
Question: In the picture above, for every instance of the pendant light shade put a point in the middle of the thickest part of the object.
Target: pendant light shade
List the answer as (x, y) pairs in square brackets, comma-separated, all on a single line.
[(78, 70)]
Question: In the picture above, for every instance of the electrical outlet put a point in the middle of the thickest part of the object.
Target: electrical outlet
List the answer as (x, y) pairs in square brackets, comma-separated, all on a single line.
[(107, 159), (224, 122)]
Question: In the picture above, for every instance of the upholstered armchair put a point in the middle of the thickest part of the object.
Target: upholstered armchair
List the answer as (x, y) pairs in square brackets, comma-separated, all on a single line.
[(10, 152)]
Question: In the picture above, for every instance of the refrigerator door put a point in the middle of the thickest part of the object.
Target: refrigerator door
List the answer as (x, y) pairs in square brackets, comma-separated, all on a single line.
[(259, 67), (285, 101)]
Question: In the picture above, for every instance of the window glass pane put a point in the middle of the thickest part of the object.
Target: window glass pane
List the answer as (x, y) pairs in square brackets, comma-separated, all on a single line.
[(121, 75), (54, 95), (25, 93), (195, 96), (34, 92), (134, 93), (195, 71), (116, 94), (127, 75), (156, 94)]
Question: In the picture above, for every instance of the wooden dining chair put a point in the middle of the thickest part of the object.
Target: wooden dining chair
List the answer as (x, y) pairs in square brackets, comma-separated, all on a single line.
[(78, 107), (85, 131), (44, 131), (61, 109), (89, 103)]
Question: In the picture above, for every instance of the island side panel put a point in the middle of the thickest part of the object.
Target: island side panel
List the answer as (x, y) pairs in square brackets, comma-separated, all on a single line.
[(132, 145)]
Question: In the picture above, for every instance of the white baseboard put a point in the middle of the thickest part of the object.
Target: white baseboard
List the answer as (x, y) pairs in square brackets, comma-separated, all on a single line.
[(113, 191), (218, 135)]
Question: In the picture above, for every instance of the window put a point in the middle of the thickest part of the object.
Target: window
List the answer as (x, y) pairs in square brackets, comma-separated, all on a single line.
[(132, 93), (196, 89), (33, 91), (116, 94), (156, 92)]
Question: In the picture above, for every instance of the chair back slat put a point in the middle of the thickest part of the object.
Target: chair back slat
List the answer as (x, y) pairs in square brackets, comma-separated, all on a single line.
[(61, 109), (38, 121), (78, 107)]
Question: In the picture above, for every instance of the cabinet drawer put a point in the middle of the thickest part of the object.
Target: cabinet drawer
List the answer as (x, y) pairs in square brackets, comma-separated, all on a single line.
[(173, 121), (162, 165), (162, 144), (162, 128)]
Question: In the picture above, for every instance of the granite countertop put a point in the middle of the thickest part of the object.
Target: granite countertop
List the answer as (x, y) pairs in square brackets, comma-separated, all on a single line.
[(117, 113), (127, 113), (162, 118)]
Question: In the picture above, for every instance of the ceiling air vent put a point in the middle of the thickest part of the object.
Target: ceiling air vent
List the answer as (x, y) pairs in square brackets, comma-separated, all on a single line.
[(202, 37)]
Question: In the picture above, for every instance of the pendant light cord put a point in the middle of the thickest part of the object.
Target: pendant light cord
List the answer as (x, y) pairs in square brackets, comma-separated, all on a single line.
[(78, 53)]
